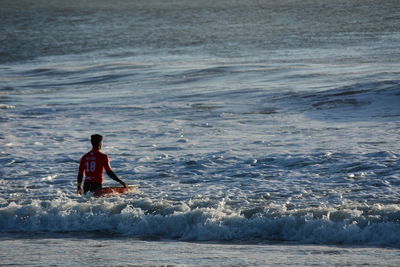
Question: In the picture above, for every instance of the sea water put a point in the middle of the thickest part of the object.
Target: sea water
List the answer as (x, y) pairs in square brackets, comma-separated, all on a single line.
[(259, 132)]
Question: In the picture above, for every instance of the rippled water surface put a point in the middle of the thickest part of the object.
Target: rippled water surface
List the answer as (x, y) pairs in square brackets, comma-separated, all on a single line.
[(241, 121)]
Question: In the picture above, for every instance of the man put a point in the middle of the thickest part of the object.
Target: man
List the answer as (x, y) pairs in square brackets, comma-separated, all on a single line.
[(93, 165)]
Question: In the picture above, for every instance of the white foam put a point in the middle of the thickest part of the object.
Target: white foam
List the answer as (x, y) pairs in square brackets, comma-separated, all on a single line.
[(5, 106), (147, 219)]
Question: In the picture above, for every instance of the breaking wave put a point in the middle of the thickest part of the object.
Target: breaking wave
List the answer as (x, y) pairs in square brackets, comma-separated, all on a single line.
[(376, 225)]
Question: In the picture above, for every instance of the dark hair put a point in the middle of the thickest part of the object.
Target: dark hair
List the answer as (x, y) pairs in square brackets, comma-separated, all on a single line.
[(96, 139)]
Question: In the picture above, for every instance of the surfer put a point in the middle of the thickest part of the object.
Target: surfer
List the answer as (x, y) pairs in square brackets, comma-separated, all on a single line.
[(93, 164)]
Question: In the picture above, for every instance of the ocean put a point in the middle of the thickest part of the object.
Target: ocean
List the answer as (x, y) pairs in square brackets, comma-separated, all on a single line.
[(260, 132)]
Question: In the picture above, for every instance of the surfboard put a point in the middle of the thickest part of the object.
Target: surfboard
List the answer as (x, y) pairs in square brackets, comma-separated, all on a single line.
[(114, 190)]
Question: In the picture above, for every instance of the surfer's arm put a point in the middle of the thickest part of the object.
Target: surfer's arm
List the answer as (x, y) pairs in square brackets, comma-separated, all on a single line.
[(79, 181), (115, 178)]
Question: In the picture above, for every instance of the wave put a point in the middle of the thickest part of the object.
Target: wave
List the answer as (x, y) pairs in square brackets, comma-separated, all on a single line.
[(359, 101), (377, 225), (189, 76), (357, 94)]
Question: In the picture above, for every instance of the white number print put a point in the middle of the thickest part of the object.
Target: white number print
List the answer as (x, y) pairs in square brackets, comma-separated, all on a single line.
[(90, 166)]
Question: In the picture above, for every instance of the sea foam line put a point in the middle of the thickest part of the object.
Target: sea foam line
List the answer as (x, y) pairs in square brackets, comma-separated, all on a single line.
[(380, 227)]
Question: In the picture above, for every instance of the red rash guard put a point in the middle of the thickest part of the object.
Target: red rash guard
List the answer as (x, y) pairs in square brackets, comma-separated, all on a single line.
[(93, 165)]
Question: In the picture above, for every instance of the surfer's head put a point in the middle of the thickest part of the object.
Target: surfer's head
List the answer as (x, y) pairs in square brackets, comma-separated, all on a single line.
[(97, 141)]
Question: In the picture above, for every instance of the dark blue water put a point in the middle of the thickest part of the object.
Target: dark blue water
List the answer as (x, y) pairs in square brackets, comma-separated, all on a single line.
[(251, 121)]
